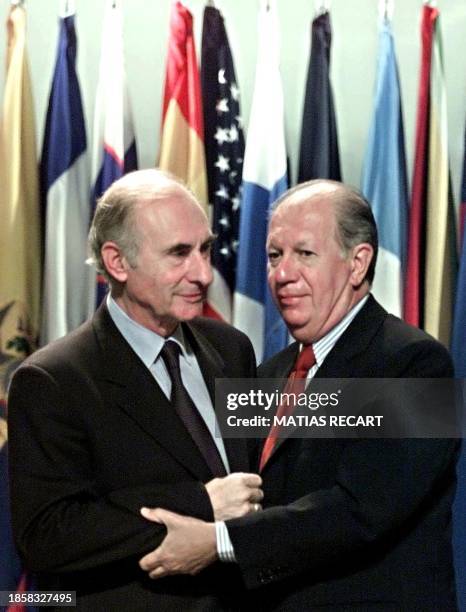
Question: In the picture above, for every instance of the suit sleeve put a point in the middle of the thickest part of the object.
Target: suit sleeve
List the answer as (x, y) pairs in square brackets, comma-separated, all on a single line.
[(378, 487), (61, 521)]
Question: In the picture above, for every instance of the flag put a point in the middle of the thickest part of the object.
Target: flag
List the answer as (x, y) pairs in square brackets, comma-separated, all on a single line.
[(458, 349), (441, 243), (182, 140), (10, 564), (64, 187), (224, 148), (462, 211), (459, 527), (458, 344), (384, 181), (19, 193), (19, 254), (431, 265), (414, 285), (319, 157), (114, 147), (264, 180)]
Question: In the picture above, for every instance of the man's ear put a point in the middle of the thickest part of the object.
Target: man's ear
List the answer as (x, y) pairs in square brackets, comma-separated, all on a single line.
[(361, 258), (114, 261)]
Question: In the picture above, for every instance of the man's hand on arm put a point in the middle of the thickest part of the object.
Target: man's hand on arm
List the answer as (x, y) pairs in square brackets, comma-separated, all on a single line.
[(235, 495), (189, 546)]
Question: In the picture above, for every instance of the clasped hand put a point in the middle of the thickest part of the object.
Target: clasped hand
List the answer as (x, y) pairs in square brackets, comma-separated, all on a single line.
[(190, 544)]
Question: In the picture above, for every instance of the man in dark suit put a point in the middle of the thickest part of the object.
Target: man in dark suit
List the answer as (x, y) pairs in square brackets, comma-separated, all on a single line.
[(348, 524), (119, 414)]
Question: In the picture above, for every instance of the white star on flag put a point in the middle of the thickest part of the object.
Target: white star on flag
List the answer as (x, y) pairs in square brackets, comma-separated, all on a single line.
[(225, 251), (234, 90), (236, 201), (222, 106), (222, 135), (222, 163), (222, 192), (234, 134), (221, 76), (224, 221)]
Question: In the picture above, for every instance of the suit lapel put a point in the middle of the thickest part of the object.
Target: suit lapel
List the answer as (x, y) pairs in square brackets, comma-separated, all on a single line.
[(352, 350), (131, 387), (213, 366), (342, 361)]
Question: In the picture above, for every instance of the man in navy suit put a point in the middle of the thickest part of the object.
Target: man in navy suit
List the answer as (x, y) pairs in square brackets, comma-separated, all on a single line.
[(119, 414), (347, 524)]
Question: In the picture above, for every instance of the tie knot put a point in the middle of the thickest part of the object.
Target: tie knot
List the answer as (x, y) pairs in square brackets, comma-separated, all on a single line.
[(171, 354), (306, 359)]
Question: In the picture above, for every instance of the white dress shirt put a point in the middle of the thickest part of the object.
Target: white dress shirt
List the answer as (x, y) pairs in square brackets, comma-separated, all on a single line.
[(321, 349), (147, 346)]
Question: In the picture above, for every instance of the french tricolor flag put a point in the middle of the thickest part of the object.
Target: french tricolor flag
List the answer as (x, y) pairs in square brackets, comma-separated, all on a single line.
[(64, 175)]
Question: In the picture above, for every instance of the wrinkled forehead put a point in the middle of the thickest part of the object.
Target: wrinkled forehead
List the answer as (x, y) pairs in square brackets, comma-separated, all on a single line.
[(175, 217), (171, 198)]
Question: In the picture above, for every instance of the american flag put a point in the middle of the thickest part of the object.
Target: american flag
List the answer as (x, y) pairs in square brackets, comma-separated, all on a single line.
[(224, 146)]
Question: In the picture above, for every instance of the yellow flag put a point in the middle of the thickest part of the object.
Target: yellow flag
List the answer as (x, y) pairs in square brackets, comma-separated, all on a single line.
[(19, 205), (440, 271)]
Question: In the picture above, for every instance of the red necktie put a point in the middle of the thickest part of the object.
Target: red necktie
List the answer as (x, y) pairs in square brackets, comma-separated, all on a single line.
[(296, 384)]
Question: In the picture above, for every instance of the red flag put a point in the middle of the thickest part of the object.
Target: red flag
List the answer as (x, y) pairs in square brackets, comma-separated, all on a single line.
[(432, 256), (414, 288)]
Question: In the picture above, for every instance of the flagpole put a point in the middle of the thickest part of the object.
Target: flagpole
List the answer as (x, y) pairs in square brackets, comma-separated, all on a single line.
[(321, 7), (68, 8), (386, 8)]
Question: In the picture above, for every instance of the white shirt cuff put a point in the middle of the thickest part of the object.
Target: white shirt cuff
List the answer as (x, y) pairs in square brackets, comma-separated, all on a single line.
[(225, 550)]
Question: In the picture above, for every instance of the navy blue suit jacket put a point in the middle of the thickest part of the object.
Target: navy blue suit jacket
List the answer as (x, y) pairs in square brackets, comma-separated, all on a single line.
[(356, 524)]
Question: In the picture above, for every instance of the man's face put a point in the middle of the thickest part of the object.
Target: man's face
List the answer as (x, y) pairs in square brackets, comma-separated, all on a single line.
[(169, 281), (309, 276)]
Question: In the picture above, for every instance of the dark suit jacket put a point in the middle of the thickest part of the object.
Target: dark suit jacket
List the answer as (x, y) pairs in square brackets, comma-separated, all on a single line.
[(92, 438), (356, 524)]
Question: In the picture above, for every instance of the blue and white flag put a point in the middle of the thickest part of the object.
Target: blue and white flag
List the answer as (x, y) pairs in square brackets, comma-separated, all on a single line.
[(384, 180), (114, 151), (64, 176), (264, 180)]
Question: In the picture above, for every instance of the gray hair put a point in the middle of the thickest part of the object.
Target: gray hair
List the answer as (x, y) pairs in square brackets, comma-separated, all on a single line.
[(114, 218), (353, 213)]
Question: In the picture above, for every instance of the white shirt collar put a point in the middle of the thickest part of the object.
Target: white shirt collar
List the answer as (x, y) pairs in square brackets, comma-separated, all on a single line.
[(144, 342), (323, 346)]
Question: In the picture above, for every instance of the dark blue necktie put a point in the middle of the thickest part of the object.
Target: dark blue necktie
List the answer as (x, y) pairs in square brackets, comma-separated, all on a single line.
[(187, 411)]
